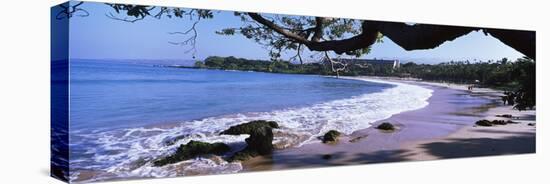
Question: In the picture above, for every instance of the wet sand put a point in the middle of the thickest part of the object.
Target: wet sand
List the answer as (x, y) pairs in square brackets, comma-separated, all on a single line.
[(443, 129)]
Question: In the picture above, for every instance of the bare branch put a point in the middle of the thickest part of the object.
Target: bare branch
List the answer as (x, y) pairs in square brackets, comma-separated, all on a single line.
[(69, 11), (342, 66), (190, 41), (298, 55), (125, 19)]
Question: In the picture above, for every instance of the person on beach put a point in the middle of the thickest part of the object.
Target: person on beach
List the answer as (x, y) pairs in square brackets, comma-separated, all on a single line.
[(509, 98), (504, 99)]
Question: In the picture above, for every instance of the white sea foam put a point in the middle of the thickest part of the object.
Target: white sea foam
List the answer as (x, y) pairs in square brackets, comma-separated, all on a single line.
[(129, 152)]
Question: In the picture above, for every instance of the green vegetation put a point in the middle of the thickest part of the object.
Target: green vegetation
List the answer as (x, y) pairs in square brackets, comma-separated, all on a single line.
[(279, 66), (232, 63), (502, 73), (516, 77)]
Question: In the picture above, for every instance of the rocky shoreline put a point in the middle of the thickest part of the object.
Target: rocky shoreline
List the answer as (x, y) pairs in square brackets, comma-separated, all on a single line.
[(259, 142)]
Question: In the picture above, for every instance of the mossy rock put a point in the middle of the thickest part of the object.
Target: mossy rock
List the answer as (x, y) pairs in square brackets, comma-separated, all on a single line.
[(331, 136), (386, 126), (260, 142), (191, 150), (247, 128)]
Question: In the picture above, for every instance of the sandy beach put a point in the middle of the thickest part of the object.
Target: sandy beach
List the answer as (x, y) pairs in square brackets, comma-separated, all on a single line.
[(443, 129)]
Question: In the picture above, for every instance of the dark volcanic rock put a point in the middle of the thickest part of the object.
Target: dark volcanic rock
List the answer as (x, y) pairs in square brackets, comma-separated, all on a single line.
[(192, 150), (386, 126), (494, 122), (248, 128), (484, 123), (259, 143), (505, 115), (331, 136), (499, 122), (172, 140), (261, 140)]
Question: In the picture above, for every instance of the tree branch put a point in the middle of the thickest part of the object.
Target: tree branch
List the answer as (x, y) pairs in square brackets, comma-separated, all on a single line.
[(365, 39), (522, 41), (298, 54), (318, 29), (125, 19), (192, 40), (277, 28), (332, 62), (409, 37), (419, 36), (69, 11)]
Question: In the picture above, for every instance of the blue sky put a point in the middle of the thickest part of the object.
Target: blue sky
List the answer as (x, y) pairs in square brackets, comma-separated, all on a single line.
[(99, 37)]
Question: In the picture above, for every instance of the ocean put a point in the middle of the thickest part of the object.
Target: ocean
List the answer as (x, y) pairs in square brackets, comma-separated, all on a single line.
[(122, 114)]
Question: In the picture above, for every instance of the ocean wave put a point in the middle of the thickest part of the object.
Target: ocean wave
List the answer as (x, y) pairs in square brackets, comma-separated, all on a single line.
[(129, 152)]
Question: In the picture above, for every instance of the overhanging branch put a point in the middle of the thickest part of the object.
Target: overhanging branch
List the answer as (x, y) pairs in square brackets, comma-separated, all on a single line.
[(258, 18), (409, 37)]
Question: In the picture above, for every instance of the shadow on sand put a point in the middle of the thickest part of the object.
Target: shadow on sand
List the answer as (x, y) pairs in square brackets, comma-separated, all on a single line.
[(519, 143), (516, 143)]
